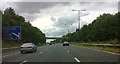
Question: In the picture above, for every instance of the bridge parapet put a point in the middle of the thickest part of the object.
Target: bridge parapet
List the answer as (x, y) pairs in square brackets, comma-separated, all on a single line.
[(56, 37)]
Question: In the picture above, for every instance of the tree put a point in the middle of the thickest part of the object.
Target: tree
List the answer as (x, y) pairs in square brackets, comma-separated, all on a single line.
[(103, 28), (9, 12), (29, 32)]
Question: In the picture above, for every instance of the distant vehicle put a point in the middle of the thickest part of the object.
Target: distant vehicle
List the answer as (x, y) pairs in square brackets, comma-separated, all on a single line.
[(28, 47), (50, 43), (65, 44)]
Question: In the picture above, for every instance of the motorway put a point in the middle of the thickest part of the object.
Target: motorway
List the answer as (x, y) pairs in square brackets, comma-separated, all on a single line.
[(59, 53)]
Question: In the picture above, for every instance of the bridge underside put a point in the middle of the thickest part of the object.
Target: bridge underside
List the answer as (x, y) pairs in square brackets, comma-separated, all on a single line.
[(56, 37)]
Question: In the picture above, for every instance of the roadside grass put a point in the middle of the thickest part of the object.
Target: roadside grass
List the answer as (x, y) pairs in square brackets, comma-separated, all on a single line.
[(10, 44), (0, 44), (41, 44), (103, 48), (8, 50)]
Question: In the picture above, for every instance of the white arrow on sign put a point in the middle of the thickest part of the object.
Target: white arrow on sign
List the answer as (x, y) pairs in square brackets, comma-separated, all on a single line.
[(18, 35)]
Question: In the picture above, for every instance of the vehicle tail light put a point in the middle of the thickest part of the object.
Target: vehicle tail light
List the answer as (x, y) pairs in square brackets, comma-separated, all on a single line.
[(21, 47), (29, 47)]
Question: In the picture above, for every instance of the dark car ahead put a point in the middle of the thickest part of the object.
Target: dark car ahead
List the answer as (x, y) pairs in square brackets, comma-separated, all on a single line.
[(65, 44), (50, 43), (28, 47)]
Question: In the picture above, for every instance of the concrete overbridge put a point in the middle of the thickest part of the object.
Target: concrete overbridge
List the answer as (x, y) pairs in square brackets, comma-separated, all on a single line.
[(56, 37)]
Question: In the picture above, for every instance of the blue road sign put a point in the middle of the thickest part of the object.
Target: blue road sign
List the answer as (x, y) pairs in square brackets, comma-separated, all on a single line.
[(12, 33)]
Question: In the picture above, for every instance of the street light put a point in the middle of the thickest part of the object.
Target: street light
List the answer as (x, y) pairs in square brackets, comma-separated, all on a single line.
[(79, 26), (68, 28), (78, 10)]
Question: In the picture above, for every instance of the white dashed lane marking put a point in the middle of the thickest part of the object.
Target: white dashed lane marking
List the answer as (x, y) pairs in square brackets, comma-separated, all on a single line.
[(77, 59), (68, 51), (104, 51), (11, 54), (23, 61), (41, 52)]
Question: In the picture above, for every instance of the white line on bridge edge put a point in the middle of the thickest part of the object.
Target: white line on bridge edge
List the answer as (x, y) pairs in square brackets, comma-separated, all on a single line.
[(77, 59), (23, 61)]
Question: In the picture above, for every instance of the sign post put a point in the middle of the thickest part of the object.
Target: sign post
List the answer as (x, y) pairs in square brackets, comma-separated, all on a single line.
[(12, 33)]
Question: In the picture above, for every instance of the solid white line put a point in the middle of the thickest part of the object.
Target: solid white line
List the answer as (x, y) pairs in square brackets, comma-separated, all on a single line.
[(6, 55), (77, 59), (17, 53), (105, 51), (101, 51), (109, 52), (11, 54), (23, 61), (10, 48)]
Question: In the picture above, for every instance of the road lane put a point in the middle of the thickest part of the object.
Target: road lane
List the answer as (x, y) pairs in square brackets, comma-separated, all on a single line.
[(89, 55), (12, 57), (59, 53), (55, 53)]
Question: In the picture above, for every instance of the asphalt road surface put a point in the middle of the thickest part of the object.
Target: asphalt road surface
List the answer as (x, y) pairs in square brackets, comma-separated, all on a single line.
[(59, 53)]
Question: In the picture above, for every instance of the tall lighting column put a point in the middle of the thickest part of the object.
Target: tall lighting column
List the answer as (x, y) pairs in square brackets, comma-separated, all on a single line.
[(79, 24)]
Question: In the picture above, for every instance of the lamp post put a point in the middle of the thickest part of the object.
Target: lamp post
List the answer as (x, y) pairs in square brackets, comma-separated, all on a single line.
[(68, 30), (79, 24)]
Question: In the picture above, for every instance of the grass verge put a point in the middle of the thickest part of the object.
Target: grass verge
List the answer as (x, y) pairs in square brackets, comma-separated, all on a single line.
[(102, 48), (9, 46)]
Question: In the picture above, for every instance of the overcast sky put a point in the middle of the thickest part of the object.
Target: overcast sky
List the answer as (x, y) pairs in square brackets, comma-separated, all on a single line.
[(56, 18)]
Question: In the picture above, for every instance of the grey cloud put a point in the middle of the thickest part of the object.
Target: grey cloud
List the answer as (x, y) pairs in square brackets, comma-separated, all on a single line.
[(59, 32), (119, 6), (55, 32), (53, 19), (65, 23), (31, 11), (100, 6), (68, 20), (34, 7), (64, 0), (30, 17), (83, 23)]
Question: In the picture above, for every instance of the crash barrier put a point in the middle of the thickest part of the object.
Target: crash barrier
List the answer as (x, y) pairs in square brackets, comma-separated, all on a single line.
[(103, 45)]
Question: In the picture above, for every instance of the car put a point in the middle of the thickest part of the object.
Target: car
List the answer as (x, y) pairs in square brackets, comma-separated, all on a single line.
[(65, 44), (28, 47), (50, 43)]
